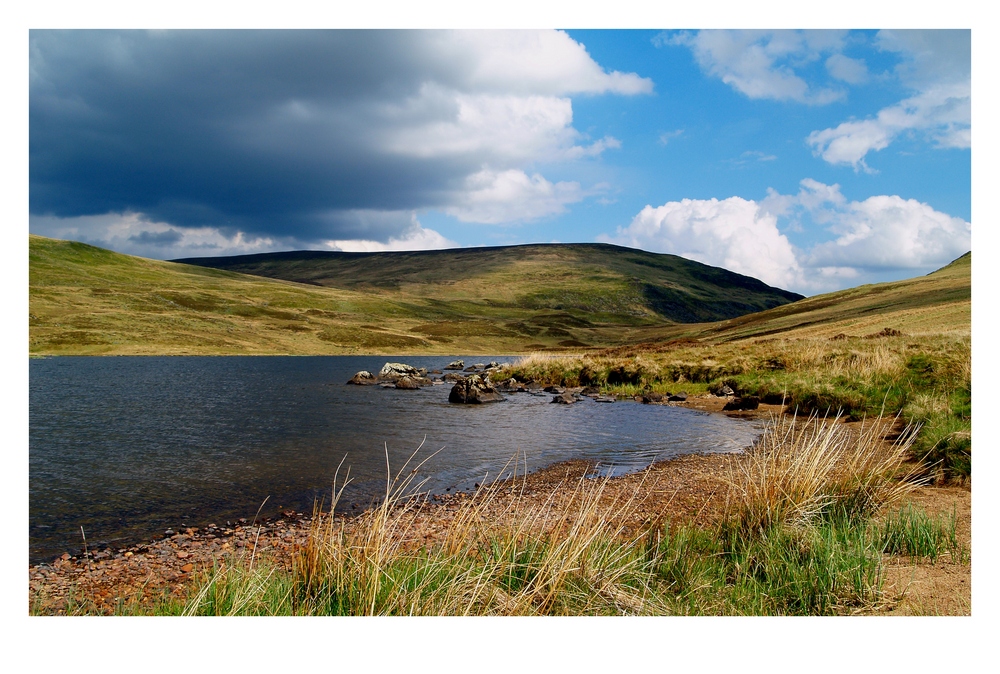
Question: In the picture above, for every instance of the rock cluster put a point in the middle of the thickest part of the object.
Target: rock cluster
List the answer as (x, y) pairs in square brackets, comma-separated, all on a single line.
[(474, 389)]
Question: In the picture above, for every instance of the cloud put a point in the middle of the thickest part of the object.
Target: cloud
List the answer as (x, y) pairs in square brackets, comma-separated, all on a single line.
[(134, 234), (733, 233), (886, 233), (668, 136), (763, 64), (416, 237), (511, 196), (864, 238), (937, 65), (292, 134), (846, 69)]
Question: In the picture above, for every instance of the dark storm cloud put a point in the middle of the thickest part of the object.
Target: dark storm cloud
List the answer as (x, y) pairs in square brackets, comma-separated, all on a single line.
[(257, 131)]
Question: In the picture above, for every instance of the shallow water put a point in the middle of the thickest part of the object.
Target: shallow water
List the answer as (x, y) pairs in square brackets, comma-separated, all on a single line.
[(126, 447)]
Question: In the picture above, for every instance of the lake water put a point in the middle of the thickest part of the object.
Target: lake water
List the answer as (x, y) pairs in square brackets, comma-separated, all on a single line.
[(128, 446)]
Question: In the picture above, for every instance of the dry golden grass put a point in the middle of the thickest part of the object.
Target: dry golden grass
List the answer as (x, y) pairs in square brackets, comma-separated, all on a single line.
[(802, 470)]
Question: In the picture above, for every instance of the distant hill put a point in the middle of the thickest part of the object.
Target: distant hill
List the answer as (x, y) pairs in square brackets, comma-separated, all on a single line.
[(590, 278), (87, 300)]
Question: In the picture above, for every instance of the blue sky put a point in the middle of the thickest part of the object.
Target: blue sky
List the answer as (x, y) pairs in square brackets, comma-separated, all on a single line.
[(814, 160)]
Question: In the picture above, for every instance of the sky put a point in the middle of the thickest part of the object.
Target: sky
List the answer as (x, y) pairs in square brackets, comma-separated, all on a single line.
[(813, 160)]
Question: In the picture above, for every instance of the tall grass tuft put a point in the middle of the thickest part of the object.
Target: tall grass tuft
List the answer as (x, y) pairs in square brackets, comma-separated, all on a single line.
[(799, 472)]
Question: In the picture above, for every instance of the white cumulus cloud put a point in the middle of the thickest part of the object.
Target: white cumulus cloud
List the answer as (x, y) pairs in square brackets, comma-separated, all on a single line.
[(496, 197), (889, 232), (733, 233), (415, 238), (862, 238), (936, 64)]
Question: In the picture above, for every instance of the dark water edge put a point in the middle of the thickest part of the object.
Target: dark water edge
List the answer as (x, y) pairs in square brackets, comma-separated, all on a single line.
[(127, 447)]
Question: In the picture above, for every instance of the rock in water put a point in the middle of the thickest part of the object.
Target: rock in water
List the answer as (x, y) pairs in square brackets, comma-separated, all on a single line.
[(564, 399), (410, 383), (393, 371), (455, 365), (363, 378), (474, 389)]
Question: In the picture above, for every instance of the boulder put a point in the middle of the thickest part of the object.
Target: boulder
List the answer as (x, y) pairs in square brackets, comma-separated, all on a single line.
[(510, 386), (493, 365), (564, 399), (554, 389), (363, 378), (604, 399), (413, 383), (453, 376), (393, 371), (680, 396), (455, 365), (652, 397), (740, 404), (724, 391), (471, 368), (474, 389)]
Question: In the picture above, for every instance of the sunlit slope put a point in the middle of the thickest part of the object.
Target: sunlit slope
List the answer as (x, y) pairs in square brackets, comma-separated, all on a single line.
[(938, 303), (590, 281), (87, 300)]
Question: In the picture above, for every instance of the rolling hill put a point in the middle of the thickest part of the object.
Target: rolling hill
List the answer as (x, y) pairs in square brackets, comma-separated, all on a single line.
[(87, 300)]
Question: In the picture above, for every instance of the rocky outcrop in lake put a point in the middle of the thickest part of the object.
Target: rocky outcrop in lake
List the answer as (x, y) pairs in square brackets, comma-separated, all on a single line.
[(363, 378), (474, 389), (394, 371)]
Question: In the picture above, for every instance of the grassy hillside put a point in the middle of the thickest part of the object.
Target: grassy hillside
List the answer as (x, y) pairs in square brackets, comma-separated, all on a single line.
[(936, 304), (86, 300), (611, 282)]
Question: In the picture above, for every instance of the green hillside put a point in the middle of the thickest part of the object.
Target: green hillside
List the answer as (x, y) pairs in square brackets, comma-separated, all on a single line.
[(615, 283), (87, 300), (938, 303)]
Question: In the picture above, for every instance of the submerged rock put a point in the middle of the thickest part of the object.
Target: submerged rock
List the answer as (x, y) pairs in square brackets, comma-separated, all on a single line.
[(474, 389), (363, 378)]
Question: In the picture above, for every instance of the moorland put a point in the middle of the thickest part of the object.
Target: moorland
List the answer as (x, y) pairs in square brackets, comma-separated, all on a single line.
[(860, 483)]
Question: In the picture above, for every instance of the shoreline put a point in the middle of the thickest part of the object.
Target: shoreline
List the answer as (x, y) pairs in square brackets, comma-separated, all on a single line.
[(168, 563), (688, 489)]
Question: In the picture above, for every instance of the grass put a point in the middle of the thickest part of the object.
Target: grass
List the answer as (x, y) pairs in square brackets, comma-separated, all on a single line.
[(924, 378), (85, 300), (811, 516)]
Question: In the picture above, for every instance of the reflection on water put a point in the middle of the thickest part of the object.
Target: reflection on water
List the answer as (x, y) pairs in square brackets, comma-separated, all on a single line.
[(127, 446)]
